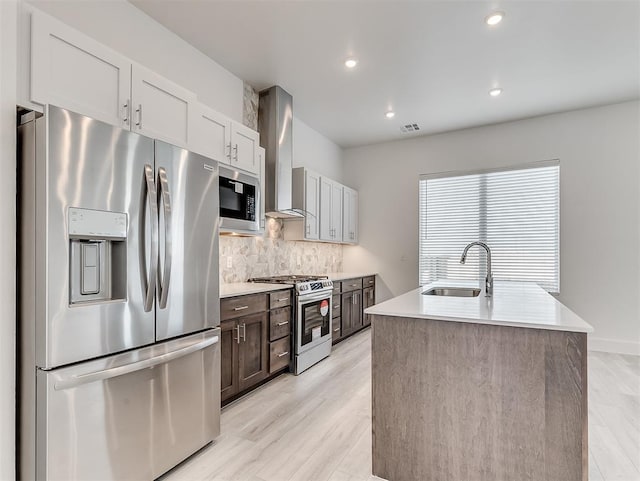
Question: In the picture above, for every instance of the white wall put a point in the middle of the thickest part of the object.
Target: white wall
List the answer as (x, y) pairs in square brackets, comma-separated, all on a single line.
[(131, 32), (599, 154), (8, 21), (311, 149)]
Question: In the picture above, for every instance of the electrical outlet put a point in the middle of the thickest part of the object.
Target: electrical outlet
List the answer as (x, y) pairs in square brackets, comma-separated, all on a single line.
[(229, 262)]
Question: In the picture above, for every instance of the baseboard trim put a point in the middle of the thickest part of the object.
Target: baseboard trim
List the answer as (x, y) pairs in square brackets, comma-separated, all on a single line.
[(614, 346)]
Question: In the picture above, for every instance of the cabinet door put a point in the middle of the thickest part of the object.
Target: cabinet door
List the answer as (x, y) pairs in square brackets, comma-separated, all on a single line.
[(211, 134), (311, 205), (73, 71), (368, 300), (350, 216), (160, 108), (228, 359), (336, 211), (325, 209), (357, 310), (347, 313), (253, 353), (244, 148)]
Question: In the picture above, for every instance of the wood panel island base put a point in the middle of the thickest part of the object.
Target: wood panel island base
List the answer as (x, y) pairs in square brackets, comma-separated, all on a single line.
[(477, 399)]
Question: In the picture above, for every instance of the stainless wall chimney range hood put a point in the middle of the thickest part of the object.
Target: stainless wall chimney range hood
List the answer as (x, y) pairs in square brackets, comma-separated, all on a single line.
[(275, 120)]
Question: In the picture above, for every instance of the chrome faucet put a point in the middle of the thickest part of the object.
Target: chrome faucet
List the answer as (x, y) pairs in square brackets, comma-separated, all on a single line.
[(488, 282)]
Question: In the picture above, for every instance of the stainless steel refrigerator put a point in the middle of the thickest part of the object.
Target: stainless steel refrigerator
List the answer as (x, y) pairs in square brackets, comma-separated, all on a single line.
[(119, 301)]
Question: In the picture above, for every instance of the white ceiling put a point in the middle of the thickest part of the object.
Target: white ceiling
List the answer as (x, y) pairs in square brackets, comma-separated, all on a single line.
[(433, 62)]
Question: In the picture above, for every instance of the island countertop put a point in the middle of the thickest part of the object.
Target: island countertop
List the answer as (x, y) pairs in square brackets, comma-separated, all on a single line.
[(515, 304)]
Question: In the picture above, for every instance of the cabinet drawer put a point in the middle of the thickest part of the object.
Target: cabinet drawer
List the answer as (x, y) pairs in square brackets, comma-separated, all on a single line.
[(369, 281), (241, 306), (279, 354), (279, 299), (336, 306), (280, 323), (352, 285), (336, 328), (337, 287)]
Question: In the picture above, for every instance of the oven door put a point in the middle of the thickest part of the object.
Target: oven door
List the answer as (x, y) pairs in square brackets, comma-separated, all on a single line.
[(313, 320), (239, 200)]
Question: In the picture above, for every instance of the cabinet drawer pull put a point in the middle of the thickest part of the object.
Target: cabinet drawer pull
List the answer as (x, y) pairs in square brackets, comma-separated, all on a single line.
[(370, 282), (353, 285), (241, 308), (336, 329), (336, 306), (282, 299), (283, 353), (283, 323)]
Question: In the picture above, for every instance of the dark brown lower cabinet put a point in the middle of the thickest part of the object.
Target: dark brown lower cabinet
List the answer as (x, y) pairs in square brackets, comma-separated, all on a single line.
[(351, 312), (368, 300), (253, 356), (244, 353), (228, 360)]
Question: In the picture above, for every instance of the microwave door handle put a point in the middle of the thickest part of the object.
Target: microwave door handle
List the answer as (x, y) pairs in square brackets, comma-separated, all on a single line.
[(165, 199), (149, 282)]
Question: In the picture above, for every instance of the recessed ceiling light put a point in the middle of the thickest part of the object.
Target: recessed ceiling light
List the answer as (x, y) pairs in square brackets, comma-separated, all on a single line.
[(495, 92), (390, 114), (350, 63), (495, 18)]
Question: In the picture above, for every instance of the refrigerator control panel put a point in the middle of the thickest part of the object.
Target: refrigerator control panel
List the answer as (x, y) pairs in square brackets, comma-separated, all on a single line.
[(96, 224)]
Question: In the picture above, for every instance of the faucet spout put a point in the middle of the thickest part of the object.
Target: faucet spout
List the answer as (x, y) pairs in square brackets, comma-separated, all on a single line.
[(489, 279)]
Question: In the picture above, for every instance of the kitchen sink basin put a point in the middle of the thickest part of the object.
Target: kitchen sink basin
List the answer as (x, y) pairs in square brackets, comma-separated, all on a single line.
[(452, 292)]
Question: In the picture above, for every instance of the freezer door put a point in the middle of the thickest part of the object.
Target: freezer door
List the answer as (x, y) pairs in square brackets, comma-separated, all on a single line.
[(130, 416), (187, 293), (85, 246)]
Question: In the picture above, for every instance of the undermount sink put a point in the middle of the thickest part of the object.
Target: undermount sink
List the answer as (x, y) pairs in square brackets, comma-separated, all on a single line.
[(452, 292)]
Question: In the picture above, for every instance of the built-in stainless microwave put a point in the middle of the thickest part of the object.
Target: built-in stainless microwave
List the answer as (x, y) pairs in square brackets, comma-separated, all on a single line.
[(239, 200)]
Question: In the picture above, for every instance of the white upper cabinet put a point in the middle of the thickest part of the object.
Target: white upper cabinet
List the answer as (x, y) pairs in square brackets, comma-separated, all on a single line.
[(244, 148), (330, 210), (312, 205), (160, 108), (212, 134), (73, 71), (350, 216)]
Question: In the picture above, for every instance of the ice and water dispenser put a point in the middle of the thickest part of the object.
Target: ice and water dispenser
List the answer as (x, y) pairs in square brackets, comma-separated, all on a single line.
[(98, 256)]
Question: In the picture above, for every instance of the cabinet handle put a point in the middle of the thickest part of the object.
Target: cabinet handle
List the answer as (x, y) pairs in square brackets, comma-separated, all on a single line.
[(235, 148), (283, 323), (139, 112), (241, 308), (244, 332), (308, 231), (336, 306), (237, 329), (229, 154), (336, 329), (370, 282), (126, 112), (353, 300), (353, 285), (283, 299), (283, 353)]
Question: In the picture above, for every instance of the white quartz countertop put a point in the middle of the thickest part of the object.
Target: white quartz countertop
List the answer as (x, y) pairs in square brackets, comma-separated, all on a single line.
[(243, 288), (340, 276), (516, 304)]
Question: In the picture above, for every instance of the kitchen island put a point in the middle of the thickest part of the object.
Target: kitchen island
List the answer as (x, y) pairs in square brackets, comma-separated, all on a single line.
[(477, 388)]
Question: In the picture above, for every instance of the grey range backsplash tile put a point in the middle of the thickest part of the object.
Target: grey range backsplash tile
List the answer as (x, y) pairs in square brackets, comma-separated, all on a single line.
[(271, 255)]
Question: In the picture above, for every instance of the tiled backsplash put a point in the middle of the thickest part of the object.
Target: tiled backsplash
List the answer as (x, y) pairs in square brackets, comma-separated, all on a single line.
[(271, 255)]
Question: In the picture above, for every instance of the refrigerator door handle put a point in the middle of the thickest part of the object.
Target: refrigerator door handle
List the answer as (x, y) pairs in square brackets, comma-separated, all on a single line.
[(149, 283), (75, 381), (165, 199)]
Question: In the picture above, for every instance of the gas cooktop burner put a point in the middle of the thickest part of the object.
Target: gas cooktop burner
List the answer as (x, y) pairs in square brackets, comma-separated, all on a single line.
[(290, 279)]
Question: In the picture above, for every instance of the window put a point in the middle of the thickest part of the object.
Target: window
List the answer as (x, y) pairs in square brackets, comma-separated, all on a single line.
[(516, 212)]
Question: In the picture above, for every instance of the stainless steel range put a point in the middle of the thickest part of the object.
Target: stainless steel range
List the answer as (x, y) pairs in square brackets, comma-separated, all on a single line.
[(312, 318)]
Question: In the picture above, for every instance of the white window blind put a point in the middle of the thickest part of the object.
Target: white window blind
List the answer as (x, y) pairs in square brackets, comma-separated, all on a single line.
[(516, 212)]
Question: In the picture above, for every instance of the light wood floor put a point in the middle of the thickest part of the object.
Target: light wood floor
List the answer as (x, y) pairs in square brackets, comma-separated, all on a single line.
[(317, 426)]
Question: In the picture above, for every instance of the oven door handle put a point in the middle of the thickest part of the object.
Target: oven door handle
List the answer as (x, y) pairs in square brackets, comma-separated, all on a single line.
[(314, 297)]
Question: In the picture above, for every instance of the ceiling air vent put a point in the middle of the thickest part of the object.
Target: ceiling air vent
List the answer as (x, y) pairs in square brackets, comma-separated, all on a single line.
[(405, 129)]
